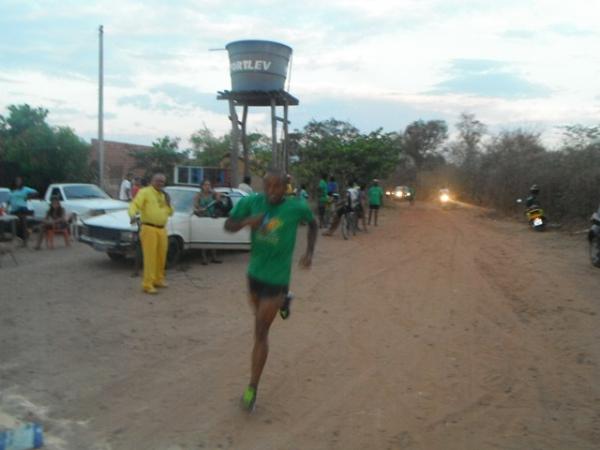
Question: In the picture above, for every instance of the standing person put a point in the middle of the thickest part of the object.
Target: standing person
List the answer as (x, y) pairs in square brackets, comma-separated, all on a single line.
[(323, 197), (246, 185), (332, 186), (375, 200), (344, 205), (302, 193), (205, 205), (17, 199), (289, 186), (137, 185), (273, 219), (125, 189), (154, 206), (361, 211)]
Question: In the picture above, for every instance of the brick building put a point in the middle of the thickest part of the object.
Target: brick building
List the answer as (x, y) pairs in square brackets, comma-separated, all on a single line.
[(117, 162)]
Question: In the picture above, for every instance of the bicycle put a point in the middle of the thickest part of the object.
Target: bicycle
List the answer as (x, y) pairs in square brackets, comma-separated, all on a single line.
[(349, 224)]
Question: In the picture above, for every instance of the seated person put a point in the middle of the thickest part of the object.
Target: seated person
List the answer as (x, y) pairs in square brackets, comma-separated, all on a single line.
[(209, 203), (56, 218)]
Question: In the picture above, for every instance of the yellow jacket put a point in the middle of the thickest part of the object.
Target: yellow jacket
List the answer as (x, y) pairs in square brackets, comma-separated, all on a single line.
[(152, 206)]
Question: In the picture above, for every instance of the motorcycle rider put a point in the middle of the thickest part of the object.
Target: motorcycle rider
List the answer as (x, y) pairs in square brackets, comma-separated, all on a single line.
[(532, 200), (349, 203)]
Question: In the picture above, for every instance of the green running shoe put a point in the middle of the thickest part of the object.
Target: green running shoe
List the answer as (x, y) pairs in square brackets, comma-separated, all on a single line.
[(285, 311), (249, 398)]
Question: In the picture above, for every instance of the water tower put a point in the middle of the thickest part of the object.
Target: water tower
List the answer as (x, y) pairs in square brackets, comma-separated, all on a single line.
[(258, 72)]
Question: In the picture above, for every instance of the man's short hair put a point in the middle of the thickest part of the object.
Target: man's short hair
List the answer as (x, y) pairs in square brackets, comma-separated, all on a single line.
[(247, 179), (277, 173)]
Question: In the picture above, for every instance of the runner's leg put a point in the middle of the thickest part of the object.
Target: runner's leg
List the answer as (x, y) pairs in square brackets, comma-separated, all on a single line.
[(265, 314)]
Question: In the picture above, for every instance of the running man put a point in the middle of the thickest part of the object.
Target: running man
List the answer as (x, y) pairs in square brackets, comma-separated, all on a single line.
[(273, 219)]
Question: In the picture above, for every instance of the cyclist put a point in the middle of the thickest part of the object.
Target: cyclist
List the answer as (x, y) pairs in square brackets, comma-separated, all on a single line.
[(347, 204)]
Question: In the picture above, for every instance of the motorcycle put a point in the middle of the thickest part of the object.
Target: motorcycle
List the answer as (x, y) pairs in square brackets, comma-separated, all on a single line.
[(535, 216), (444, 198), (594, 238)]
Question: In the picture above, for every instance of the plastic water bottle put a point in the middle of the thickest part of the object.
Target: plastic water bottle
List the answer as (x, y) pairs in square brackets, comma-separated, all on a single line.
[(27, 436)]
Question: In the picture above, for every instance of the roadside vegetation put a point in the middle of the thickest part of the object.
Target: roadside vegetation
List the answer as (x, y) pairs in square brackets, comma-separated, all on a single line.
[(486, 169)]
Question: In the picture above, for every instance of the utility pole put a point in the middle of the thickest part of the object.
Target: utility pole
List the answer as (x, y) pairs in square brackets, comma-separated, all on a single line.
[(101, 110)]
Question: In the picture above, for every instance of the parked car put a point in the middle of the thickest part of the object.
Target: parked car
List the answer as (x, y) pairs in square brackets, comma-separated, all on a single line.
[(83, 200), (594, 238), (112, 233), (4, 194)]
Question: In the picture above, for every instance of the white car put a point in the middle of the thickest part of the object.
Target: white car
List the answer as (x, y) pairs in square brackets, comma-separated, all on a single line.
[(4, 194), (112, 233), (84, 200)]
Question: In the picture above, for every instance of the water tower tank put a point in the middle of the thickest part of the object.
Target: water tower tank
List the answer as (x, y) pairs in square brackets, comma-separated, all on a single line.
[(258, 65)]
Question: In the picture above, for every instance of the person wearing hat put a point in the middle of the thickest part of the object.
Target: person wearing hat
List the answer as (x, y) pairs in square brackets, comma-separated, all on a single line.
[(375, 195), (532, 200)]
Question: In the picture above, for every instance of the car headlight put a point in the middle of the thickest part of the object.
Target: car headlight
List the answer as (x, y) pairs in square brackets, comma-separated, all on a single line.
[(388, 193), (97, 212), (126, 236), (444, 198), (83, 230)]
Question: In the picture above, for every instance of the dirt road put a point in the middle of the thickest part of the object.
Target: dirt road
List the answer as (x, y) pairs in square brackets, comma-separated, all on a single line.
[(436, 330)]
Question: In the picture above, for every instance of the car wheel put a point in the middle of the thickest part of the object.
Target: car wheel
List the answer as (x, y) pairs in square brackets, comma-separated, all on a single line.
[(174, 251), (116, 256), (595, 251)]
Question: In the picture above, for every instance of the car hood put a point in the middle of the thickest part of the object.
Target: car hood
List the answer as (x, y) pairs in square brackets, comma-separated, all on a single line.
[(99, 203), (118, 220)]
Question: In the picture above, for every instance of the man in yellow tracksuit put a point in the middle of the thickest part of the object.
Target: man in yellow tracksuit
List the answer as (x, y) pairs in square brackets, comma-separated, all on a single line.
[(154, 206)]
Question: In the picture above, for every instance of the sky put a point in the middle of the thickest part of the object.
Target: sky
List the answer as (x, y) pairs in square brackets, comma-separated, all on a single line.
[(529, 64)]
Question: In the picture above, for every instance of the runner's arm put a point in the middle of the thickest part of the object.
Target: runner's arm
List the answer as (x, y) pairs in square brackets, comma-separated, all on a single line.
[(232, 225)]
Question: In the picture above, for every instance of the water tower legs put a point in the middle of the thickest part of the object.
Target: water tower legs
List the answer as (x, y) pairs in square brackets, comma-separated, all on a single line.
[(234, 145)]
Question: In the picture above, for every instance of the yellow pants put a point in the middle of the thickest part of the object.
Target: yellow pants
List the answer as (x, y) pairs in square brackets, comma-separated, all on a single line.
[(154, 248)]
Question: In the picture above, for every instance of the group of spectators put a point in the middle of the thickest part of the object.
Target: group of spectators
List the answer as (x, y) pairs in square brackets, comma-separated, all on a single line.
[(130, 186), (55, 219), (356, 198)]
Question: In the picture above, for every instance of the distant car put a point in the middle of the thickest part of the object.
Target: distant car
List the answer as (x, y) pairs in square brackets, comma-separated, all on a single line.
[(112, 233), (402, 193)]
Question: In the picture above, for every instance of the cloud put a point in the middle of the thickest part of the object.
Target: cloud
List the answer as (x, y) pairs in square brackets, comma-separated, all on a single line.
[(488, 78), (518, 34), (570, 30)]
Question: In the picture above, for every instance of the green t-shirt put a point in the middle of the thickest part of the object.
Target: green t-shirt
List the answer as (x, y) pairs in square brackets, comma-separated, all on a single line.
[(322, 191), (273, 243), (375, 194)]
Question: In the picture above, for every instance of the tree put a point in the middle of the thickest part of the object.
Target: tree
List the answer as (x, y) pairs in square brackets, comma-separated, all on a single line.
[(163, 157), (422, 140), (578, 137), (43, 153), (208, 149), (470, 133), (337, 148)]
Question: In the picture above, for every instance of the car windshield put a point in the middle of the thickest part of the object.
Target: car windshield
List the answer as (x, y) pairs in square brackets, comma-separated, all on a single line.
[(182, 200), (78, 191)]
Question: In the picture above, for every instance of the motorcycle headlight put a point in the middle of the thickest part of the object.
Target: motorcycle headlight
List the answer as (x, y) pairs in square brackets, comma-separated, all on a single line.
[(444, 198), (127, 236)]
